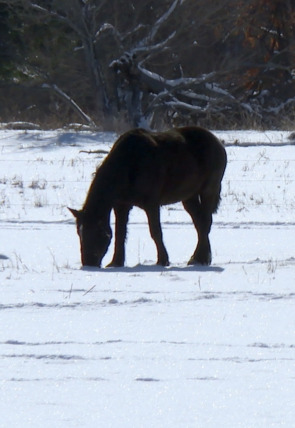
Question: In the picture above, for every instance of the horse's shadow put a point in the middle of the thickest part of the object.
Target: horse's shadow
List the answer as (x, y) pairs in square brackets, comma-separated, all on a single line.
[(140, 268)]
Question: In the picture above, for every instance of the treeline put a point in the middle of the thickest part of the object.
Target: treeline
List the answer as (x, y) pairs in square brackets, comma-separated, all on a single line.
[(113, 64)]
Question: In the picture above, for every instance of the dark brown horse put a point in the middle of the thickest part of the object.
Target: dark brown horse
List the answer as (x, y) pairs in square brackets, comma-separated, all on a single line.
[(148, 170)]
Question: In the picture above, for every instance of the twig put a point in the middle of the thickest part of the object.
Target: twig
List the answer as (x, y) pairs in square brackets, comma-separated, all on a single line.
[(70, 292), (90, 152), (90, 289)]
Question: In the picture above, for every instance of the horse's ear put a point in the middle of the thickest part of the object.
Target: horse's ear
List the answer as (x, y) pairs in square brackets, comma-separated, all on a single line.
[(75, 213)]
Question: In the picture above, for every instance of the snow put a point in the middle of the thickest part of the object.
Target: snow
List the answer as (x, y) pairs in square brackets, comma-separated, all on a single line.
[(145, 346)]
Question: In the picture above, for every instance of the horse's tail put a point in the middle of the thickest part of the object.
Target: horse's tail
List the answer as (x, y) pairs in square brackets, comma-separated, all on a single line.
[(217, 179), (216, 201), (211, 192)]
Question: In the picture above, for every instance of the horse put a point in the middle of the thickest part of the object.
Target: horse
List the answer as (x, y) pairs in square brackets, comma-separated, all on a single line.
[(150, 169)]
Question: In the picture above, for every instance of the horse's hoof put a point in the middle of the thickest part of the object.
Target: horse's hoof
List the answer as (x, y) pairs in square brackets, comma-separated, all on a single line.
[(115, 265), (194, 262), (163, 263)]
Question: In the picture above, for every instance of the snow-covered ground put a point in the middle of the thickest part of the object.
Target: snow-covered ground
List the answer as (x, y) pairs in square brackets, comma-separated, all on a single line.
[(145, 346)]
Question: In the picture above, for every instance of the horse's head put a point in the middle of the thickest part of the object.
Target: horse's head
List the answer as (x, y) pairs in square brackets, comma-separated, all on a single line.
[(95, 238)]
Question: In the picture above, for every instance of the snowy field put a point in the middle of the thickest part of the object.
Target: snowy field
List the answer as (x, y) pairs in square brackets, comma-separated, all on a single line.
[(145, 346)]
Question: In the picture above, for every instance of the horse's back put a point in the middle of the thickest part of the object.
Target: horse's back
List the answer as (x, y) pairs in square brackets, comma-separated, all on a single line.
[(171, 165), (203, 144), (196, 140)]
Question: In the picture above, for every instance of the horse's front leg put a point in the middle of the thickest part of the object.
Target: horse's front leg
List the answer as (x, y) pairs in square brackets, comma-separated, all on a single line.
[(153, 214), (121, 219)]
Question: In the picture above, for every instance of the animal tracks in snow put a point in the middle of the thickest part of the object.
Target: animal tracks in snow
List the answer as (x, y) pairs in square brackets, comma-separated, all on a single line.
[(145, 345)]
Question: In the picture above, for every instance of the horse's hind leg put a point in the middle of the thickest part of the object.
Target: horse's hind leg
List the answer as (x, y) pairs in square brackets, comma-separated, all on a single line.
[(200, 210), (121, 217)]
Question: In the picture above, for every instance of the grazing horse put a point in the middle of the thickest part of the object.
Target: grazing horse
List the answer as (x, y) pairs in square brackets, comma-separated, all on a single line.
[(147, 170)]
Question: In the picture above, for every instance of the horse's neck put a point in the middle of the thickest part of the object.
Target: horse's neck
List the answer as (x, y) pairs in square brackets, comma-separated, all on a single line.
[(99, 201)]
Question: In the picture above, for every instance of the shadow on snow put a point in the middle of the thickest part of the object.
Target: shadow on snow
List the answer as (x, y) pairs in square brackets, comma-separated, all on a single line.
[(154, 268)]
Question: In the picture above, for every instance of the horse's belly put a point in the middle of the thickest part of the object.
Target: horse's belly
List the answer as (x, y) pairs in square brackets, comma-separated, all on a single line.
[(182, 179), (175, 192)]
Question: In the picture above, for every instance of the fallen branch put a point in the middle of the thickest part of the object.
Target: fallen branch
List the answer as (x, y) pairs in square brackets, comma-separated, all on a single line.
[(70, 101), (91, 152)]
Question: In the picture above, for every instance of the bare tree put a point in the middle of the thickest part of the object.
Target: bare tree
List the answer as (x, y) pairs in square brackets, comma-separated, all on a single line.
[(150, 95), (160, 62), (119, 52)]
